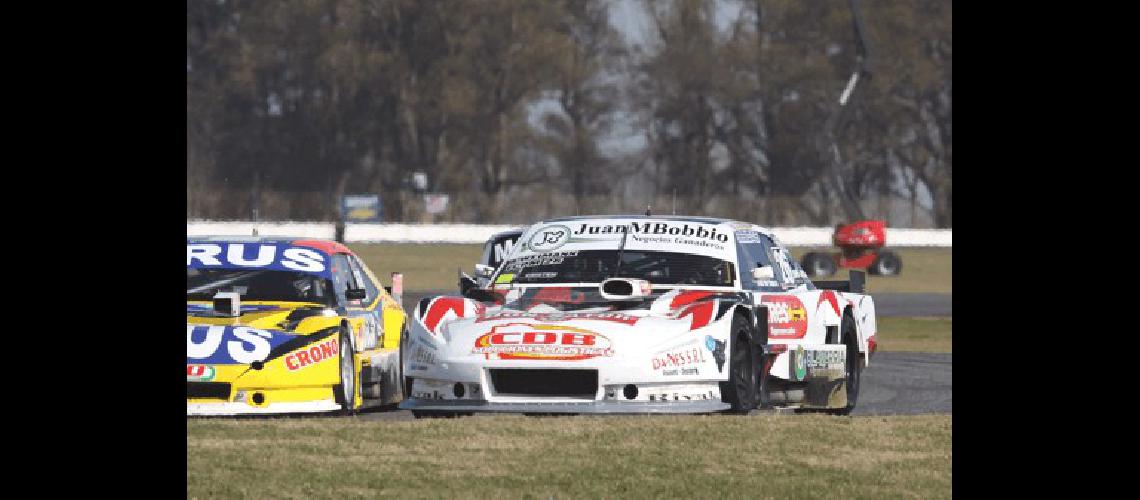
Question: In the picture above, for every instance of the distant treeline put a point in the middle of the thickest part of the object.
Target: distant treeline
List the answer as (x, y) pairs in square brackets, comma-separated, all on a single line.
[(719, 105)]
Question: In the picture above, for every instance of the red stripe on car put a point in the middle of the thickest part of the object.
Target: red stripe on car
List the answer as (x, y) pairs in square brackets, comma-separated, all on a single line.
[(701, 314), (439, 308), (686, 298)]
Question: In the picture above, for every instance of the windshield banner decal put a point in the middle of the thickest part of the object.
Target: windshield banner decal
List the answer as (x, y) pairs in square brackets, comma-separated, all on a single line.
[(268, 256), (606, 234)]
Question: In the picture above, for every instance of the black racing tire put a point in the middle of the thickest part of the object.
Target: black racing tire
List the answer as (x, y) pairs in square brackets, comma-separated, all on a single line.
[(854, 365), (740, 388), (347, 387), (818, 264), (405, 382), (886, 264)]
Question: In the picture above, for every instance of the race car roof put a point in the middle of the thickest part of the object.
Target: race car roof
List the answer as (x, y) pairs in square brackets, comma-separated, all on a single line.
[(267, 253), (325, 246)]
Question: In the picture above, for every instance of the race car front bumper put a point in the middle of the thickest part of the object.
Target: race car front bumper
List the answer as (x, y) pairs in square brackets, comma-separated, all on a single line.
[(601, 407), (241, 408), (646, 397)]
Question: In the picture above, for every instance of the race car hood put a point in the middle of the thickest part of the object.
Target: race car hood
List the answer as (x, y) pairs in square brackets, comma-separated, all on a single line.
[(265, 337), (545, 333)]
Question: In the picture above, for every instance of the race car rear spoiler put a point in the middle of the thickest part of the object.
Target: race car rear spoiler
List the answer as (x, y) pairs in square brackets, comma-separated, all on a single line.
[(855, 283)]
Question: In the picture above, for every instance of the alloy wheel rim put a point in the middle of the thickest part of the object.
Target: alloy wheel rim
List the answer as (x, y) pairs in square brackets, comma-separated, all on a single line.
[(346, 375)]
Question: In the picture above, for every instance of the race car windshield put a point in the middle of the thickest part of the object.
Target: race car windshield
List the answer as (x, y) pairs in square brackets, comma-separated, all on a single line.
[(259, 284), (594, 266)]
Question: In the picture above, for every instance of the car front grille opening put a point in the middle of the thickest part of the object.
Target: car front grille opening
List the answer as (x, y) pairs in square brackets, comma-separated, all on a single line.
[(545, 383), (207, 390)]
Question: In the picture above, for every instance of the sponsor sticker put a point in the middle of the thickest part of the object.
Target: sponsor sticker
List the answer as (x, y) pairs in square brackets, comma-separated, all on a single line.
[(830, 364), (680, 361), (279, 257), (505, 278), (200, 373), (541, 342), (542, 259), (663, 235), (549, 238), (312, 355), (501, 250), (814, 364), (748, 237), (553, 317), (787, 318), (421, 355), (218, 345), (697, 231), (799, 366), (716, 347)]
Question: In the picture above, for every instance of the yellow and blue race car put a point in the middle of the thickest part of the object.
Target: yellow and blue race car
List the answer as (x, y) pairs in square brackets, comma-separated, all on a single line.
[(278, 325)]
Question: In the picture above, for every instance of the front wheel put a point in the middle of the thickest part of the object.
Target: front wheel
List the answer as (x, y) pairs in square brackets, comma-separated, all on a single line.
[(886, 264), (346, 389), (404, 382), (740, 388)]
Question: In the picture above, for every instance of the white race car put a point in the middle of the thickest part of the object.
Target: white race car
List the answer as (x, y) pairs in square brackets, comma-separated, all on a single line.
[(641, 314)]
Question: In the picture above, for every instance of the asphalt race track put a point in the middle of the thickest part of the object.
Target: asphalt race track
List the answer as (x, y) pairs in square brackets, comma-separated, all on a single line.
[(907, 383), (886, 304), (897, 383), (913, 304)]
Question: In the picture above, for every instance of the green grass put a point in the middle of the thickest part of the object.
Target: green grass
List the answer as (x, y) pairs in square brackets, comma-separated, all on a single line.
[(713, 456), (915, 334), (924, 270), (425, 267), (433, 267)]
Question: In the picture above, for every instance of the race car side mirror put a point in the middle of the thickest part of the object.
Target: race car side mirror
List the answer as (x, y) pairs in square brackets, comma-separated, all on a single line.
[(227, 304), (465, 284), (763, 273), (484, 271), (355, 294)]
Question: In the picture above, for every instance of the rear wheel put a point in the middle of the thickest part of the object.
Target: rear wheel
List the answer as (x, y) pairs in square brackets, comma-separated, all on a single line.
[(763, 394), (854, 365), (740, 388), (405, 382), (886, 264), (818, 264)]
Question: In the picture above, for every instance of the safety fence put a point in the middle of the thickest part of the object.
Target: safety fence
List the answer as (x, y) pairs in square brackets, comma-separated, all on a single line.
[(478, 233)]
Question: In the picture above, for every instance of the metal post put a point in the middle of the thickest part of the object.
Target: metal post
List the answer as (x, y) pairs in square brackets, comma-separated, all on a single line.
[(398, 288)]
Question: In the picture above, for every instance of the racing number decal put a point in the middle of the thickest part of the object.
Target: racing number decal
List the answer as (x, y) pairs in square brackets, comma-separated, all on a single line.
[(780, 257), (368, 336), (372, 330)]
